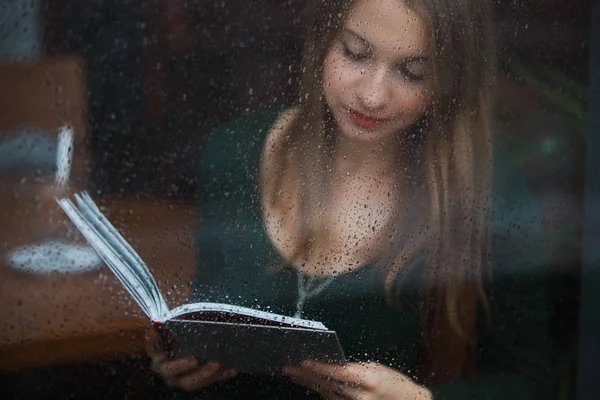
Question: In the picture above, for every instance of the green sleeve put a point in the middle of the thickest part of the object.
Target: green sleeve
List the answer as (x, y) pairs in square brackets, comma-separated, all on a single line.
[(515, 352), (225, 173), (230, 152)]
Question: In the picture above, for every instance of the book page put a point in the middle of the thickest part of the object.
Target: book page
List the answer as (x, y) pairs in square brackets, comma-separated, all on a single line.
[(118, 255), (243, 311), (120, 245)]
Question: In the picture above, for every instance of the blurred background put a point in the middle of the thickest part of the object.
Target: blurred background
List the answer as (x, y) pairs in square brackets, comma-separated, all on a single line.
[(142, 83), (160, 74)]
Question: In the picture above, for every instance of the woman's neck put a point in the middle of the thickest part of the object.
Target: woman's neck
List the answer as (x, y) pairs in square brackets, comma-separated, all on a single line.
[(352, 156)]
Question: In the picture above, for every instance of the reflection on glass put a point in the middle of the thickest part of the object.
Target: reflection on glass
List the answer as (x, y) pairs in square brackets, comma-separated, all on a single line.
[(408, 173)]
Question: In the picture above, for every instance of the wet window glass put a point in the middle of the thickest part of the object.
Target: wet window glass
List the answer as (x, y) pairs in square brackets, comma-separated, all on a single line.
[(337, 199)]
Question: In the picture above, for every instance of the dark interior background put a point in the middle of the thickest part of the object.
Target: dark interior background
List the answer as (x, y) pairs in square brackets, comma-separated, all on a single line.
[(162, 73)]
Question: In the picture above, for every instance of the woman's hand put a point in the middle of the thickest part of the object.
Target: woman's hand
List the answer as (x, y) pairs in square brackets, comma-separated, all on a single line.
[(356, 381), (185, 374)]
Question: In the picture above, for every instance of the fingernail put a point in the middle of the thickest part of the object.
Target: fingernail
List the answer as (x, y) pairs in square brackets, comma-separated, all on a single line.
[(230, 373), (212, 366), (288, 370)]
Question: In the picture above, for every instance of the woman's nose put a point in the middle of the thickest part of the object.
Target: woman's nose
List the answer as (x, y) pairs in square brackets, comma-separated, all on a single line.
[(374, 90)]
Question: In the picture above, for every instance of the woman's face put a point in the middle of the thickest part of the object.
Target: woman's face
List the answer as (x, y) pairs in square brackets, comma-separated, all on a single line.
[(377, 73)]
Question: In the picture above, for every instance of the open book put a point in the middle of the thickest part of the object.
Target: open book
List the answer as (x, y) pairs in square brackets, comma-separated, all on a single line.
[(249, 340)]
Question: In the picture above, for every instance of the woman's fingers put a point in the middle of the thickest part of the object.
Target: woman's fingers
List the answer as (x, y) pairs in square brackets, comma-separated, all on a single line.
[(195, 379), (174, 368), (183, 373), (155, 349), (326, 386), (153, 343), (206, 375), (152, 339), (226, 374)]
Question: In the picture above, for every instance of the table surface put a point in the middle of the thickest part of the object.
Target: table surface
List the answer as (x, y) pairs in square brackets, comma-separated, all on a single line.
[(53, 319)]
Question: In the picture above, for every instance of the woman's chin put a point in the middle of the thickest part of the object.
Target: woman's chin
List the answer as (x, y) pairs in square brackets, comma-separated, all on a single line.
[(366, 135)]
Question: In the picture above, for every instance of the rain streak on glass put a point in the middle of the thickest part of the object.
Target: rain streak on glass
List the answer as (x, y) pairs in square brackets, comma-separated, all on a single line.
[(331, 199)]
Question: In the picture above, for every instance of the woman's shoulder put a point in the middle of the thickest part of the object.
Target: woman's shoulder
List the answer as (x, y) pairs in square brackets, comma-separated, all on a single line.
[(244, 134), (277, 133), (231, 155), (253, 124)]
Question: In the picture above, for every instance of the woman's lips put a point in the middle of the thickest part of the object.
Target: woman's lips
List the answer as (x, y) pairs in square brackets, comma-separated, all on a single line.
[(364, 121)]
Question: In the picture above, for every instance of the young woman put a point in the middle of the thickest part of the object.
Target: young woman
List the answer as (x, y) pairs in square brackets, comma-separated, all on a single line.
[(379, 205)]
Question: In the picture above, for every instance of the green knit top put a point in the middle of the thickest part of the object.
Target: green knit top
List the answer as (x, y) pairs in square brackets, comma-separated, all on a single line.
[(235, 256)]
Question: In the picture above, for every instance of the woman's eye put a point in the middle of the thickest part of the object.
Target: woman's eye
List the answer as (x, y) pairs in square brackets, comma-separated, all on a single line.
[(410, 75), (355, 56)]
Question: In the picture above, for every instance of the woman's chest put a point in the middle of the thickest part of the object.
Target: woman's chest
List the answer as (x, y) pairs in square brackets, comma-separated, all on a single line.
[(347, 227), (353, 304)]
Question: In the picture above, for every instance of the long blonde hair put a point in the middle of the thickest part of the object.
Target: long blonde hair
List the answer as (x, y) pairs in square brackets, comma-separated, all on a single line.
[(457, 150)]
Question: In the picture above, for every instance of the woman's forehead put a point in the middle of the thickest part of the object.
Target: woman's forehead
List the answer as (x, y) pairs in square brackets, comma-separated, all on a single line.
[(390, 27)]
